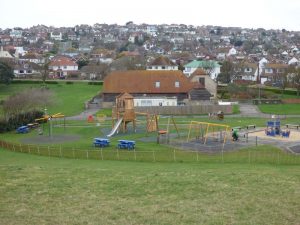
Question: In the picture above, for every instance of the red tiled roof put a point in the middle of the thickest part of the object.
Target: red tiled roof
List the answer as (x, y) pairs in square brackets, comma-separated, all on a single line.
[(62, 61), (144, 81)]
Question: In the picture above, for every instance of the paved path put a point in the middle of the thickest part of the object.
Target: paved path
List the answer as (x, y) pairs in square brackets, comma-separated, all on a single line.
[(84, 115)]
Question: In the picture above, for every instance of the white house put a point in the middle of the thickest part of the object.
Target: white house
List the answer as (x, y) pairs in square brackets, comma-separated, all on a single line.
[(232, 51), (162, 63), (293, 61), (212, 68), (56, 36), (63, 66), (155, 101)]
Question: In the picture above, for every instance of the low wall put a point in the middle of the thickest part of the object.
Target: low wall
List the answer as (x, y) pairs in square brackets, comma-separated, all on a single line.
[(291, 101), (185, 110)]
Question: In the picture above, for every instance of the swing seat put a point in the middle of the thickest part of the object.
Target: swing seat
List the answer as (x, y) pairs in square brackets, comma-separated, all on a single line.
[(162, 132)]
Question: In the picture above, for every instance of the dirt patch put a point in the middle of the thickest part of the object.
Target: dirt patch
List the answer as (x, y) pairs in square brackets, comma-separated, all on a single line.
[(44, 139), (294, 136)]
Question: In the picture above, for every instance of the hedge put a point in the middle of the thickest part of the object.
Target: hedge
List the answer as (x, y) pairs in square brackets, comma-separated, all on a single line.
[(21, 119)]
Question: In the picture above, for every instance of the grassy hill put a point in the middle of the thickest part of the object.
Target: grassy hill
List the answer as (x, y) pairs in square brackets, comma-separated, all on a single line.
[(42, 190), (68, 98)]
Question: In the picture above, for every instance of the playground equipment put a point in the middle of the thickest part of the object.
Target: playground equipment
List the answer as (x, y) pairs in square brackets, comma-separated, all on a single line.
[(204, 131), (166, 132), (124, 113), (273, 128), (235, 135), (50, 118)]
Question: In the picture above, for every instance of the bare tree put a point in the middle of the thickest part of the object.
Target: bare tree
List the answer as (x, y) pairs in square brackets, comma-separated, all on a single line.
[(26, 101)]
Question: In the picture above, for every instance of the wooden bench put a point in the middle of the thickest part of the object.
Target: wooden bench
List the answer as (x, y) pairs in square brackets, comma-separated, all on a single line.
[(292, 126), (101, 142), (251, 126)]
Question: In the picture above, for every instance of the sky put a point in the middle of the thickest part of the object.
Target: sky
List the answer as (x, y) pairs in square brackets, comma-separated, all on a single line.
[(268, 14)]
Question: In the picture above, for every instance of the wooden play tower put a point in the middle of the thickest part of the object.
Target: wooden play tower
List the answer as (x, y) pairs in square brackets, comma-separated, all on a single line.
[(124, 110)]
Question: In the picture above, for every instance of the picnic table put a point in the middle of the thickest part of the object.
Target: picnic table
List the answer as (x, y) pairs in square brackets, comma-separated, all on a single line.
[(101, 142), (126, 144), (22, 129)]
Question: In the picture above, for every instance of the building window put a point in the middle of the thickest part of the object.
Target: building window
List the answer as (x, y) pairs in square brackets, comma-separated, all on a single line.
[(269, 70), (163, 67), (177, 84), (248, 69), (65, 67), (157, 84), (202, 80), (149, 67)]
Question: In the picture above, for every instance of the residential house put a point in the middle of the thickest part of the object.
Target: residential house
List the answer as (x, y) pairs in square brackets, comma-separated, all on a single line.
[(273, 72), (5, 54), (162, 63), (55, 35), (209, 66), (32, 57), (102, 55), (206, 87), (62, 67), (5, 40), (26, 69)]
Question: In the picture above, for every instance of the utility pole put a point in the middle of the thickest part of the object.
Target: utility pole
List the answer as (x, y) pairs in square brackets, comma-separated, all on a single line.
[(258, 80)]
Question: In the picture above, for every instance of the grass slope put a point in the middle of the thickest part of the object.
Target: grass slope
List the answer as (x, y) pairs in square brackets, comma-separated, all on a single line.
[(281, 109), (68, 98), (41, 190)]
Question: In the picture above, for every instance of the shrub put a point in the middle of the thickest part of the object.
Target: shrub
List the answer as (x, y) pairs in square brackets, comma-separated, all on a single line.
[(69, 82), (95, 82)]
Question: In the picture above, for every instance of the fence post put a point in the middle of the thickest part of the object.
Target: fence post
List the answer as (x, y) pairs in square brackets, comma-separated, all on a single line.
[(197, 153), (49, 151), (38, 149), (73, 153), (21, 148), (118, 156), (14, 147), (87, 154), (134, 154), (60, 153), (101, 153), (174, 156), (255, 140), (29, 149), (153, 155)]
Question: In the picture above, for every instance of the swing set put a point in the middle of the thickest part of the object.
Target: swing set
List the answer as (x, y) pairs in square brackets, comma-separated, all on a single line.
[(208, 132), (166, 132)]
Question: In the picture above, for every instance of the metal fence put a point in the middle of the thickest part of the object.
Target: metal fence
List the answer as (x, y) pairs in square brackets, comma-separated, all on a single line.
[(254, 155)]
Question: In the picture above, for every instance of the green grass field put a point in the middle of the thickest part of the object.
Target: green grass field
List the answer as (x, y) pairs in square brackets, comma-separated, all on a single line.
[(280, 109), (68, 98), (42, 190)]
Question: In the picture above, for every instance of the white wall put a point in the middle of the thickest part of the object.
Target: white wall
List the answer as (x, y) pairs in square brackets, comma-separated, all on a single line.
[(155, 101), (67, 68)]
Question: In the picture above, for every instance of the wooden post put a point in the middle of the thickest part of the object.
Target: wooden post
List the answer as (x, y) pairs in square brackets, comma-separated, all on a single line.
[(48, 151), (153, 155), (174, 156), (29, 149), (118, 156), (60, 153), (21, 147), (14, 147), (101, 153), (73, 153), (134, 154), (87, 154), (38, 149)]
